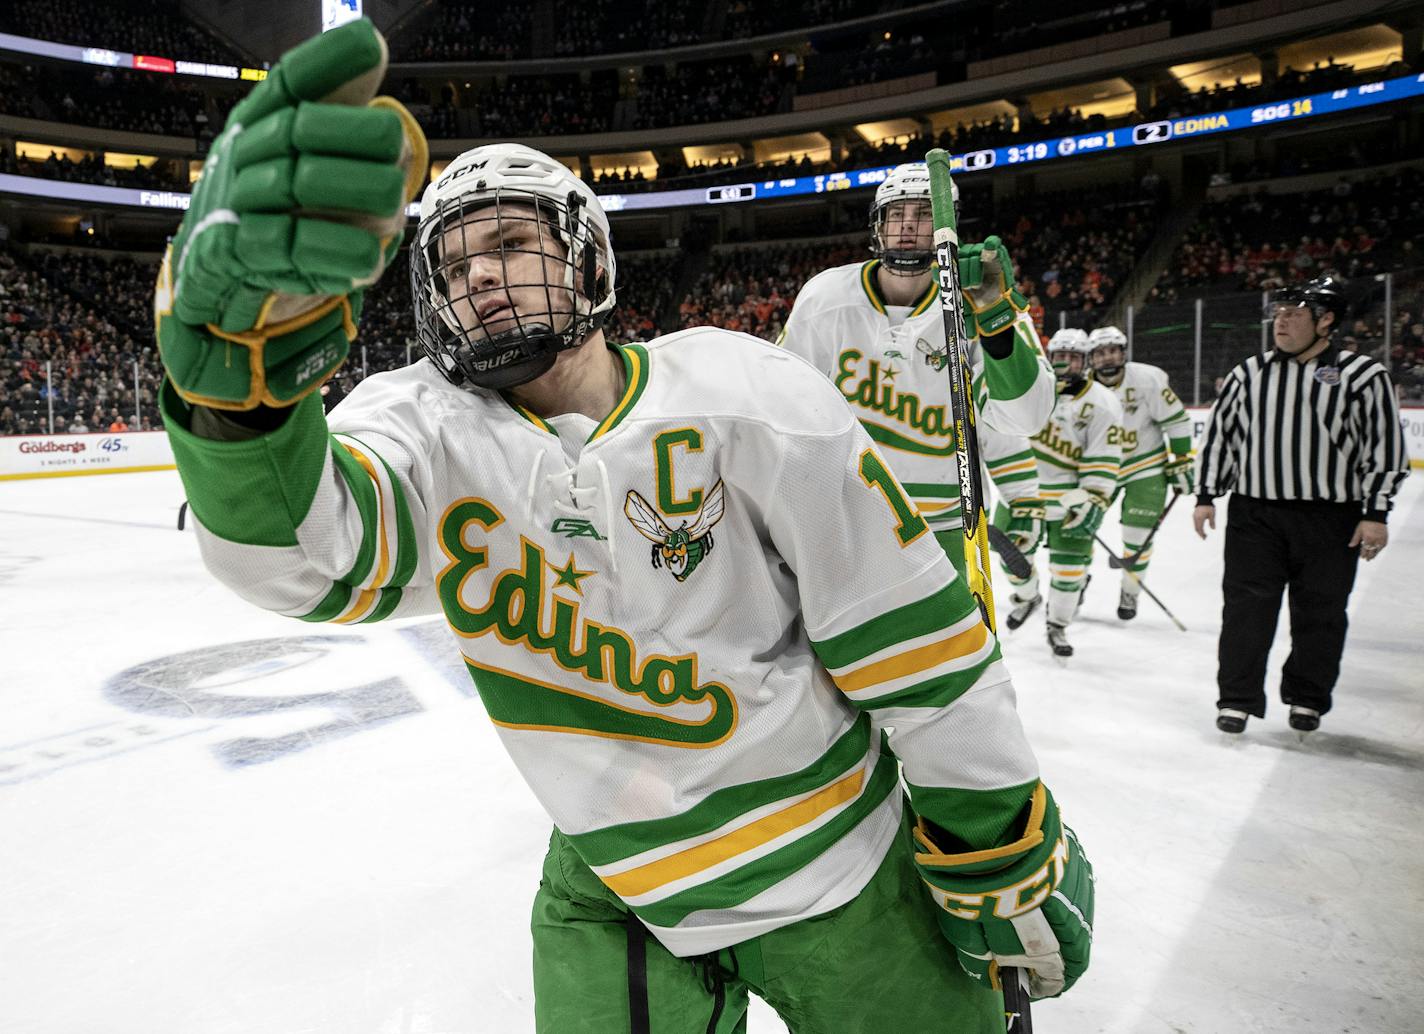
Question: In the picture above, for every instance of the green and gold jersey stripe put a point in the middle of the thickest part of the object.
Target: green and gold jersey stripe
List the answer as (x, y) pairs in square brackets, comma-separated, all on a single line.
[(363, 491), (937, 611), (1018, 467), (529, 415), (1053, 459), (635, 367), (1133, 464), (746, 882), (717, 809), (930, 296), (870, 284)]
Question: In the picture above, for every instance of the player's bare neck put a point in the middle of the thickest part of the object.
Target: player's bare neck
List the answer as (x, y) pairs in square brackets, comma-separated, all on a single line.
[(588, 379), (901, 290)]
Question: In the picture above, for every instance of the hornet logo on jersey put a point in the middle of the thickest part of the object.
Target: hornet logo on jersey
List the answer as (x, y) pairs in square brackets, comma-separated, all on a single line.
[(680, 549), (935, 359)]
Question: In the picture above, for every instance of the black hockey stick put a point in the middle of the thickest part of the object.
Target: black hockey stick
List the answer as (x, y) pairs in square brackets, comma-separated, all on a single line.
[(182, 513), (1018, 1019), (971, 485), (1115, 561), (1014, 561)]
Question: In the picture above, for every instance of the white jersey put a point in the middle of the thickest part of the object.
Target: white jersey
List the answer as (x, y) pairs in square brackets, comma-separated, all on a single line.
[(1152, 415), (687, 620), (888, 361), (1081, 446)]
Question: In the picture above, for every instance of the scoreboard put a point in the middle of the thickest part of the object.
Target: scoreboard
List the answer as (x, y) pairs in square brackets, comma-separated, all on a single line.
[(1064, 148)]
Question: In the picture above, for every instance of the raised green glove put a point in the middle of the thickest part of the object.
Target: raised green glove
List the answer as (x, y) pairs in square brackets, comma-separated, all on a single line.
[(1025, 525), (1180, 476), (1083, 511), (986, 279), (1028, 904), (301, 206)]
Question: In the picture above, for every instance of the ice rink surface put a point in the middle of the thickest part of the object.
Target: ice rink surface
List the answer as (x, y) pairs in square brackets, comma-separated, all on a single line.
[(218, 821)]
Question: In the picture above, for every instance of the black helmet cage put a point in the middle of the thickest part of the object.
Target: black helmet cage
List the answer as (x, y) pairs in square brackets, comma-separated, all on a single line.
[(450, 327), (900, 261)]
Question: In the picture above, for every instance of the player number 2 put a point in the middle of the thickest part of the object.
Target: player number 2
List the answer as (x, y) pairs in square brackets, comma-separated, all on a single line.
[(910, 524)]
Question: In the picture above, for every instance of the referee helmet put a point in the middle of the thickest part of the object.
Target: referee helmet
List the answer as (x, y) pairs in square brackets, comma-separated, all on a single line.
[(1323, 294)]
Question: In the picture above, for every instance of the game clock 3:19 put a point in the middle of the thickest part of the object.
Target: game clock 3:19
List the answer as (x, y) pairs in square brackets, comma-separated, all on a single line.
[(1027, 152)]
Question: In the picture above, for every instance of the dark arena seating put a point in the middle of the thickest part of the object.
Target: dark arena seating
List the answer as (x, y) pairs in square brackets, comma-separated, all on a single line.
[(1177, 243)]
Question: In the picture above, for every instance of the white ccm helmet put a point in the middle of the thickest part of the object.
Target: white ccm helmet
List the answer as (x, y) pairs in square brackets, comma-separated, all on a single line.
[(909, 182), (508, 200), (1107, 337), (1069, 339), (1073, 342)]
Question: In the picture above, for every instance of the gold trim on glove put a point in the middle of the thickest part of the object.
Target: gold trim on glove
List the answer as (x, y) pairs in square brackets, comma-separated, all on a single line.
[(1033, 836)]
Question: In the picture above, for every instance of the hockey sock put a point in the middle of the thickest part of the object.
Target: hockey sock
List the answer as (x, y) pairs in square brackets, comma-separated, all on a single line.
[(1027, 588), (1132, 540), (1066, 587)]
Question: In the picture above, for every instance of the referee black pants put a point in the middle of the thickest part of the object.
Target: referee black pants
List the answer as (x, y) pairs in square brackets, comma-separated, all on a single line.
[(1271, 547)]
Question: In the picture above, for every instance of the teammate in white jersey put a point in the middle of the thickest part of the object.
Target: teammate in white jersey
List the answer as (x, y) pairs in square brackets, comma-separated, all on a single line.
[(1156, 450), (877, 330), (687, 589), (1079, 453)]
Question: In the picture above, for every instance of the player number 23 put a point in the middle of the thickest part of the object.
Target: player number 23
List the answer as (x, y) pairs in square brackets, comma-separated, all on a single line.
[(909, 524)]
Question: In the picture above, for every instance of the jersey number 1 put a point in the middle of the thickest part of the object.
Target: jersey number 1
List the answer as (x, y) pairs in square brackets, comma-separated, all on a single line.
[(910, 524)]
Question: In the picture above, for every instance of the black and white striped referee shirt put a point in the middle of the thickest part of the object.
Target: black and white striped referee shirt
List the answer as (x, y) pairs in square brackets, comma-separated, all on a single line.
[(1323, 430)]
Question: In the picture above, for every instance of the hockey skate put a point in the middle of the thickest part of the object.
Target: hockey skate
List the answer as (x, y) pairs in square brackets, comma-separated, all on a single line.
[(1021, 609), (1232, 721), (1126, 605), (1058, 641), (1304, 720)]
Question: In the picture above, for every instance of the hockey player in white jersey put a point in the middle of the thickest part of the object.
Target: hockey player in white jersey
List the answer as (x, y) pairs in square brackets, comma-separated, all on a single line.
[(1156, 449), (1078, 453), (877, 330), (686, 587)]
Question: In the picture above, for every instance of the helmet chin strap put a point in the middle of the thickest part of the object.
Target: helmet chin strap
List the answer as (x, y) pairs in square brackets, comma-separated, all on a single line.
[(905, 263)]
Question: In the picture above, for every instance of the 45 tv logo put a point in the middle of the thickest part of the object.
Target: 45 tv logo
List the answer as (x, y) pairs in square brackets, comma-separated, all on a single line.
[(112, 445)]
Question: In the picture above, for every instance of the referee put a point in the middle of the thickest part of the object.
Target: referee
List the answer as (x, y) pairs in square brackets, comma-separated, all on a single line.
[(1307, 438)]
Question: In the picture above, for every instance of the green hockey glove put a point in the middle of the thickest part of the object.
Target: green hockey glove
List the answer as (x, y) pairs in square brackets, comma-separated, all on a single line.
[(1028, 904), (300, 207), (1025, 525), (1083, 512), (986, 279), (1180, 475)]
